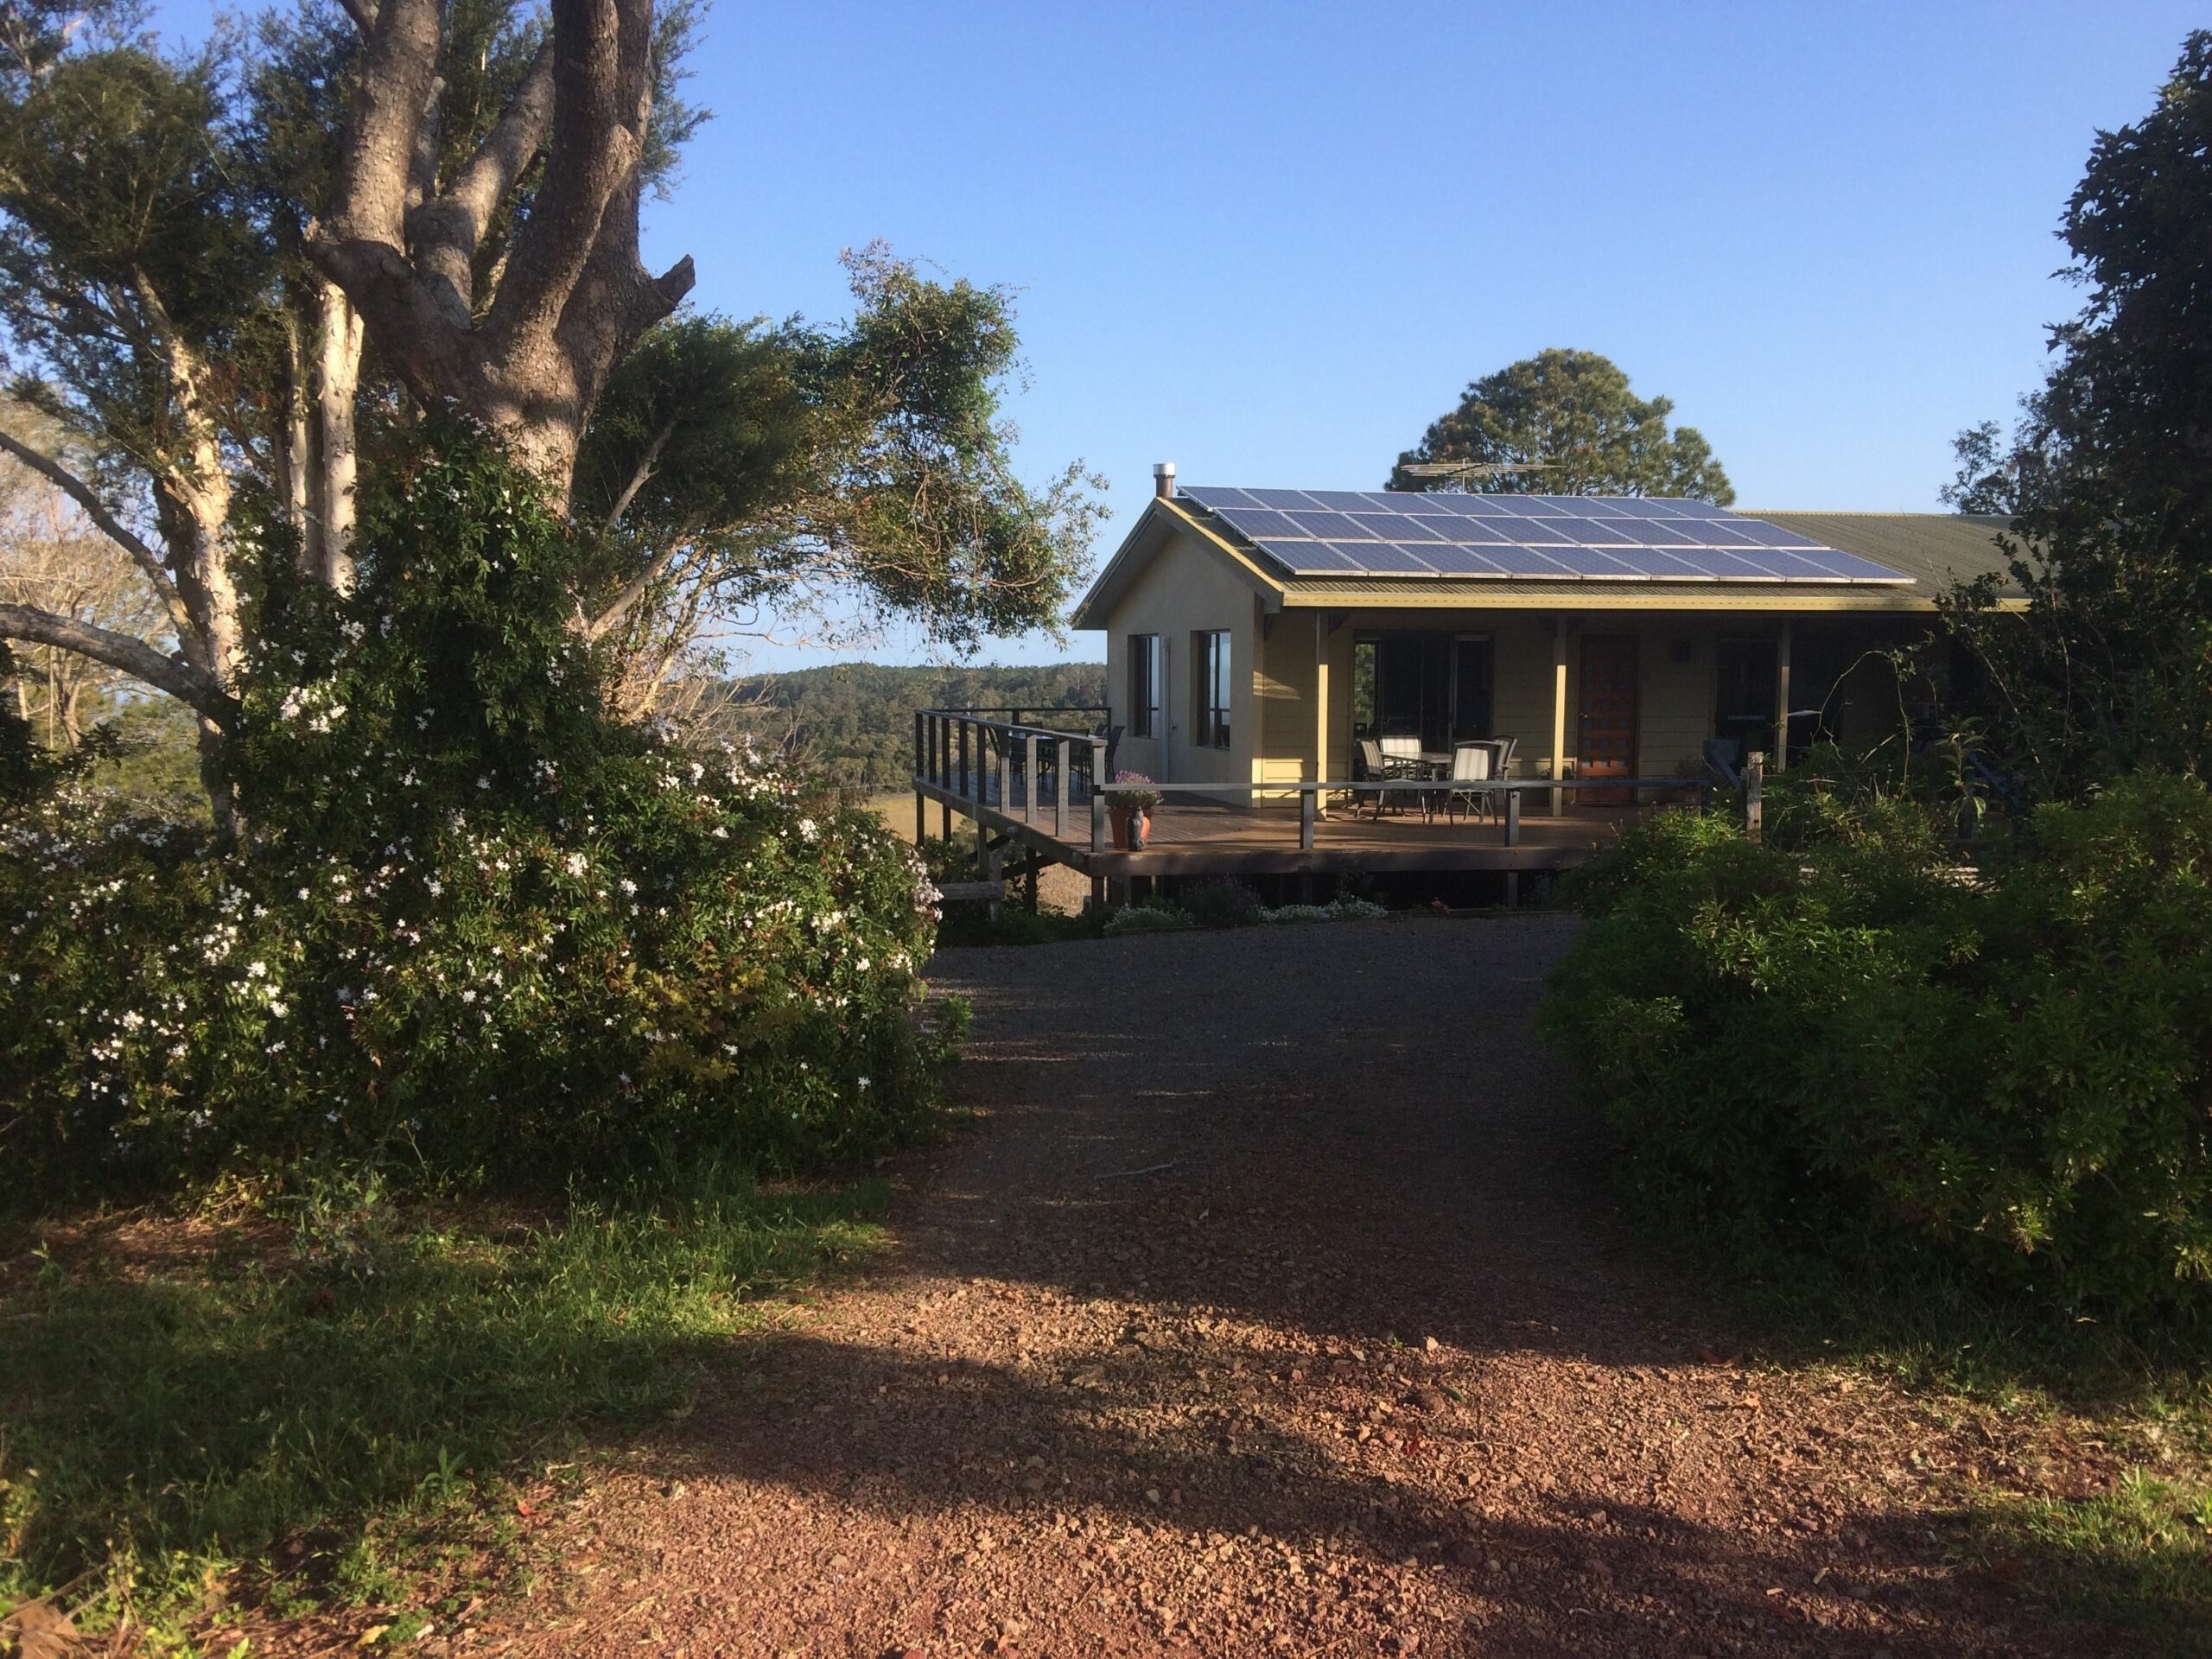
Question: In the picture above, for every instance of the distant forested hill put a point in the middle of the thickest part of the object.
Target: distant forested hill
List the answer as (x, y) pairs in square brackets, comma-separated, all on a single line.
[(857, 720)]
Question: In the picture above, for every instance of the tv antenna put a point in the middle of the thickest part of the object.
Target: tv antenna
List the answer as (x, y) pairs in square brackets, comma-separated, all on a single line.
[(1463, 470)]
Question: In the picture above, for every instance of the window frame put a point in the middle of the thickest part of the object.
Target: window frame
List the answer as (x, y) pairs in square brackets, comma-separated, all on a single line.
[(1147, 716), (1212, 692)]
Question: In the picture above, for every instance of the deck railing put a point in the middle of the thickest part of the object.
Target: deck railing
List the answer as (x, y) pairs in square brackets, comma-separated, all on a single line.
[(1037, 774), (988, 762)]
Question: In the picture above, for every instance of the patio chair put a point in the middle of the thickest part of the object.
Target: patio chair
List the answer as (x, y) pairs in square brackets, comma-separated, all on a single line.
[(1401, 754), (1506, 746), (1471, 763), (1373, 765)]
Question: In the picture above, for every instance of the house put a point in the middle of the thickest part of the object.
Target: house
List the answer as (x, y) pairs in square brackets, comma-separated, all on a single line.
[(1256, 636)]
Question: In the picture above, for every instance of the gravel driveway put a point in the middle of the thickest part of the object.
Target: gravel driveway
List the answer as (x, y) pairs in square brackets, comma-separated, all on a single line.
[(1275, 1305)]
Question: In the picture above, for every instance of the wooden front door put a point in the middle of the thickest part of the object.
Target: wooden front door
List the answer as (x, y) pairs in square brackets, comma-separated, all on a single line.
[(1607, 731)]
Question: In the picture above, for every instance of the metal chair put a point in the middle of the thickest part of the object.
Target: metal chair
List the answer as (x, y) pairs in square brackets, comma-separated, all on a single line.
[(1391, 759), (1401, 752), (1471, 763), (1374, 766)]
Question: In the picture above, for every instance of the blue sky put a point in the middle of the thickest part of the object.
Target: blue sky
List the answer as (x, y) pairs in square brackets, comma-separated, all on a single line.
[(1272, 243)]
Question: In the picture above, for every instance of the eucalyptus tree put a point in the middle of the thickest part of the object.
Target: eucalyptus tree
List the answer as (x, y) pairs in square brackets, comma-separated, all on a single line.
[(131, 280), (233, 277), (818, 479), (1565, 423)]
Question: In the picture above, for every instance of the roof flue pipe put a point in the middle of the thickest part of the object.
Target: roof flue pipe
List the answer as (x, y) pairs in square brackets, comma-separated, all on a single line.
[(1163, 479)]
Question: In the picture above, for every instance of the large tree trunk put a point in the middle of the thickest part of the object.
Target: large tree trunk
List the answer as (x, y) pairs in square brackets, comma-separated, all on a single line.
[(338, 381), (295, 445), (572, 296)]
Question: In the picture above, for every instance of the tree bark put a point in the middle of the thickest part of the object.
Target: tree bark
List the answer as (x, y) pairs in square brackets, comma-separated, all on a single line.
[(296, 448), (572, 297), (338, 380)]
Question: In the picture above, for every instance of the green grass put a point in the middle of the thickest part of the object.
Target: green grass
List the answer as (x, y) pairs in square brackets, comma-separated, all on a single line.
[(322, 1400)]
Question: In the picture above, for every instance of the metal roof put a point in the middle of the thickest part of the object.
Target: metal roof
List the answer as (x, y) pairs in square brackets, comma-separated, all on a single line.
[(1935, 549)]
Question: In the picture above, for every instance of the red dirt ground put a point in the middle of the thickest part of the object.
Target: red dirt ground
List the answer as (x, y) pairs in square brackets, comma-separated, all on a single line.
[(1274, 1307)]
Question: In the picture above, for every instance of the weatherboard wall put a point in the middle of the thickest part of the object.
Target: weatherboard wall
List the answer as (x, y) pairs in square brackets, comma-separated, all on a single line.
[(1186, 590)]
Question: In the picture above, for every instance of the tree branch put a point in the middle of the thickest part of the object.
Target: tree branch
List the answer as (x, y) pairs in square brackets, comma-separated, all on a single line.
[(397, 67), (187, 684), (595, 145), (638, 478), (633, 590), (447, 229), (103, 520)]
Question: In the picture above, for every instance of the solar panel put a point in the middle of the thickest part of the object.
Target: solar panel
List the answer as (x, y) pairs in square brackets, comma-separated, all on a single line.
[(1559, 537)]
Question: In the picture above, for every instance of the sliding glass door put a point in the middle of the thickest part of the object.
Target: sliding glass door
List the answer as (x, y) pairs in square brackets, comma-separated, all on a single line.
[(1436, 687)]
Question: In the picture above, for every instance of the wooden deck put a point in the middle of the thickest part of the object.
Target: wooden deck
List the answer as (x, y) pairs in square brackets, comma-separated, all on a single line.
[(1030, 788), (1204, 838), (1199, 837)]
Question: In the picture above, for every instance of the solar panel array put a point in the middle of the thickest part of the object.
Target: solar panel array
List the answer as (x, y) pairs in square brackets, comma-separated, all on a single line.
[(1558, 537)]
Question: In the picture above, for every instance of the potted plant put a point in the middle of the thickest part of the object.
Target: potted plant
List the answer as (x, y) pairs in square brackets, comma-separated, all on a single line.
[(1129, 804)]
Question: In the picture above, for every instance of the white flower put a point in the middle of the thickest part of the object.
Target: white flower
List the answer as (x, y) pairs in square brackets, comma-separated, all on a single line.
[(577, 863), (257, 970), (483, 783), (627, 886)]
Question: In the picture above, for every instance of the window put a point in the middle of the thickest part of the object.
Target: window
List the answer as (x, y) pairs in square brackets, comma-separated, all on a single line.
[(1144, 685), (1209, 689)]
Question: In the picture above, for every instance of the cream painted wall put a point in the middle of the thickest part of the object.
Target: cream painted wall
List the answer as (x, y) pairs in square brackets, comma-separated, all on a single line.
[(1187, 588)]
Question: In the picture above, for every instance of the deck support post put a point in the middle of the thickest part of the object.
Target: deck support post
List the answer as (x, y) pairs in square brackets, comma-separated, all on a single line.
[(1061, 755), (1754, 787), (1782, 697), (1513, 816), (1006, 774), (1320, 708), (1097, 795), (966, 793), (1307, 799), (1513, 889), (1559, 714), (1029, 776)]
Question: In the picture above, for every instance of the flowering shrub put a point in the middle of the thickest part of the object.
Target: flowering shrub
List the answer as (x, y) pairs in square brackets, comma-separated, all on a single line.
[(474, 921), (1848, 1048)]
